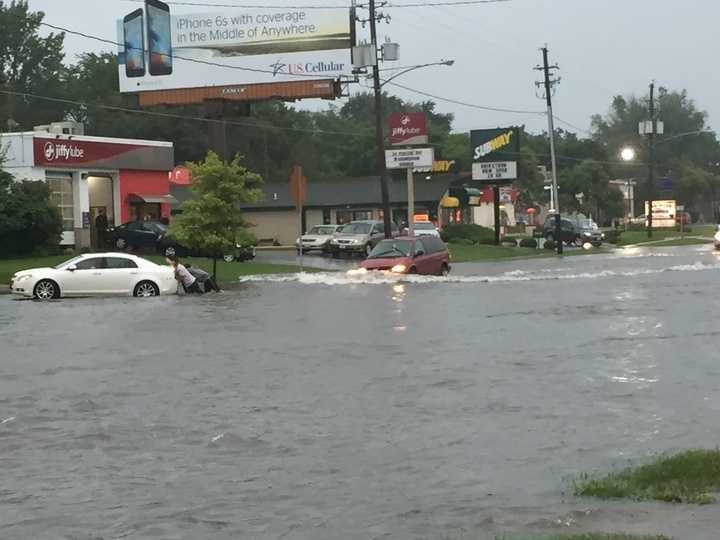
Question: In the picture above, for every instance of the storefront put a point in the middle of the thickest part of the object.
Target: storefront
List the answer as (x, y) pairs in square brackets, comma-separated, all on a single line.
[(124, 179)]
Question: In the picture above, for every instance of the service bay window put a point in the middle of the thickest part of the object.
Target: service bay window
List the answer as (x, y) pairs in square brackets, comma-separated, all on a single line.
[(61, 195)]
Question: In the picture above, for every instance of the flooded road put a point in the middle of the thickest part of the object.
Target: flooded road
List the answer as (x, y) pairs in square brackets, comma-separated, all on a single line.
[(322, 407)]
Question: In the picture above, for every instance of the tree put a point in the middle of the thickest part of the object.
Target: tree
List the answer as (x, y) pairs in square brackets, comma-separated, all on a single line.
[(211, 221), (29, 64), (29, 222)]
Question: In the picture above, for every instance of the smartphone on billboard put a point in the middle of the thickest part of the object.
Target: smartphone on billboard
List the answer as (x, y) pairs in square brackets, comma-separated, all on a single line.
[(159, 38), (133, 31)]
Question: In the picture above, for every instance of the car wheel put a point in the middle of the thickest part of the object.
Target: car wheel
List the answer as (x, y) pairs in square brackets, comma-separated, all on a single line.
[(579, 242), (444, 270), (412, 270), (229, 258), (46, 289), (121, 243), (145, 289)]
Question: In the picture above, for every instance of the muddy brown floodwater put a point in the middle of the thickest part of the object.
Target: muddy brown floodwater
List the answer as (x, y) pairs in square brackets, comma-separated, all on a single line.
[(326, 407)]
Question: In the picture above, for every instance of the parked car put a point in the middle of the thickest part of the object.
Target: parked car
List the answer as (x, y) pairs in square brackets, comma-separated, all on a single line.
[(574, 231), (318, 238), (96, 274), (153, 235), (424, 228), (410, 255), (359, 237), (716, 238), (135, 235)]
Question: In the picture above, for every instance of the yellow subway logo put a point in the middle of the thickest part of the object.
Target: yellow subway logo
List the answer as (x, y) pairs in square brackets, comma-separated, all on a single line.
[(492, 145)]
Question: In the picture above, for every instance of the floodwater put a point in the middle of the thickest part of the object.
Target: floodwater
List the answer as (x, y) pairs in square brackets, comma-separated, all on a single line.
[(323, 407)]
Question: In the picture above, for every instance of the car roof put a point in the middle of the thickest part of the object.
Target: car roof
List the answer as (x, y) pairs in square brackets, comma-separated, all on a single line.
[(113, 254)]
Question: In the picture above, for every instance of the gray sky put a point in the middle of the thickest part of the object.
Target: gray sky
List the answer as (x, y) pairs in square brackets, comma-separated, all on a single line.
[(603, 48)]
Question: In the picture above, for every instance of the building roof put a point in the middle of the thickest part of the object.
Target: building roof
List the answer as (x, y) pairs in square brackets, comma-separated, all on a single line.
[(352, 192)]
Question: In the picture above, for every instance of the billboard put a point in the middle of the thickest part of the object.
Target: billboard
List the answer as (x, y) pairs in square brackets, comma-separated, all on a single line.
[(663, 213), (407, 128), (160, 50), (495, 154)]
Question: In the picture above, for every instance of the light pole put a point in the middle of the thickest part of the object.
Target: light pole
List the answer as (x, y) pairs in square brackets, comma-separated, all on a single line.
[(627, 154)]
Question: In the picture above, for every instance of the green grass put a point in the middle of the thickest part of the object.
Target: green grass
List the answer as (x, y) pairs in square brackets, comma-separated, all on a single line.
[(226, 271), (683, 242), (590, 536), (462, 253), (640, 237), (689, 477)]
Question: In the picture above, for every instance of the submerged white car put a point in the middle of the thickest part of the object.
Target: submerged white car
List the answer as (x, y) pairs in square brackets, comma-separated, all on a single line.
[(716, 238), (96, 274), (318, 238)]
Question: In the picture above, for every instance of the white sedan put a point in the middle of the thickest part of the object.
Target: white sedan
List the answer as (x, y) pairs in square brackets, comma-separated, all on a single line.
[(96, 274)]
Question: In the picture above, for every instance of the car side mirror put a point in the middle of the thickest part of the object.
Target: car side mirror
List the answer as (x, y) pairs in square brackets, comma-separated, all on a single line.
[(71, 268), (419, 253)]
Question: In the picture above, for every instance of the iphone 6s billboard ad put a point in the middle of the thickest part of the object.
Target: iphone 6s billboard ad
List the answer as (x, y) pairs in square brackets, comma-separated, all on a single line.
[(161, 50)]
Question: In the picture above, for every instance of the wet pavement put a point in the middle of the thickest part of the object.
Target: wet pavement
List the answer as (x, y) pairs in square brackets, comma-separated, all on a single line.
[(323, 407)]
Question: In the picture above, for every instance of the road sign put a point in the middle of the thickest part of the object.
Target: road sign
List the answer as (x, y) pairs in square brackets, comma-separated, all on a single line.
[(494, 170), (409, 158)]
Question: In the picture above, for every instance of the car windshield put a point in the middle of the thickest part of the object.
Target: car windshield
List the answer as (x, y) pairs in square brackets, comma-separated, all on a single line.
[(424, 226), (322, 231), (391, 248), (74, 260), (357, 228), (588, 224)]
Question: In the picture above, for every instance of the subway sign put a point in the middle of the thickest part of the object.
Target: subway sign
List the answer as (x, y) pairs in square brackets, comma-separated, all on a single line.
[(495, 154)]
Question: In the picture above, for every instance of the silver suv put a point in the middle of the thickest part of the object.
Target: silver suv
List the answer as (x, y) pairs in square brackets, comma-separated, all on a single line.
[(359, 237)]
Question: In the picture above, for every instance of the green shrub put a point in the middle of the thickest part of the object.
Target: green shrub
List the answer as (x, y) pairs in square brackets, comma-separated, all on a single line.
[(528, 243), (29, 222), (549, 244), (613, 236), (462, 242), (475, 233), (515, 229)]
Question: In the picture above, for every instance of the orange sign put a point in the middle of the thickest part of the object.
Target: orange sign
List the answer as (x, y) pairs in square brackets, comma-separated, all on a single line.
[(298, 185)]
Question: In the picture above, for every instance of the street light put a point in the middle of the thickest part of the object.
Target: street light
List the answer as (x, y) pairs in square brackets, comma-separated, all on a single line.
[(379, 139), (413, 68), (627, 154)]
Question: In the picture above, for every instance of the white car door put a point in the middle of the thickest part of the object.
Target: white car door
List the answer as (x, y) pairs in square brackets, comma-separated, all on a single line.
[(86, 278), (119, 275)]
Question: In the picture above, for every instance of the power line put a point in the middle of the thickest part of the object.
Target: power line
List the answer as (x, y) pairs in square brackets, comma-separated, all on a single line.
[(179, 116), (464, 103)]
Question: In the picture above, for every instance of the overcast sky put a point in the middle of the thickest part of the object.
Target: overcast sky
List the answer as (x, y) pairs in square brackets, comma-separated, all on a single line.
[(603, 47)]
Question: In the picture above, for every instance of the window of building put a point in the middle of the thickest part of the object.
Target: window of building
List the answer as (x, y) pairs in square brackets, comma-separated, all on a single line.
[(326, 217), (61, 195)]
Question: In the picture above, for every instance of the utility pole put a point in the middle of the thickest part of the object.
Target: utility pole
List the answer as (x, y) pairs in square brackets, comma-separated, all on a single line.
[(379, 138), (651, 164), (548, 83)]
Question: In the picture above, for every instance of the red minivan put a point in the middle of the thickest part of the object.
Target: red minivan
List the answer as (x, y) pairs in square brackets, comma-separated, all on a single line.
[(427, 255)]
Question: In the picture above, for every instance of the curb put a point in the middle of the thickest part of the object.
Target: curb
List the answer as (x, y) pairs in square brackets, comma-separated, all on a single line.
[(4, 288)]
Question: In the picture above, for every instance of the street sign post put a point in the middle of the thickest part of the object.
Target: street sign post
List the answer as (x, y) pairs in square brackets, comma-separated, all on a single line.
[(298, 192)]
